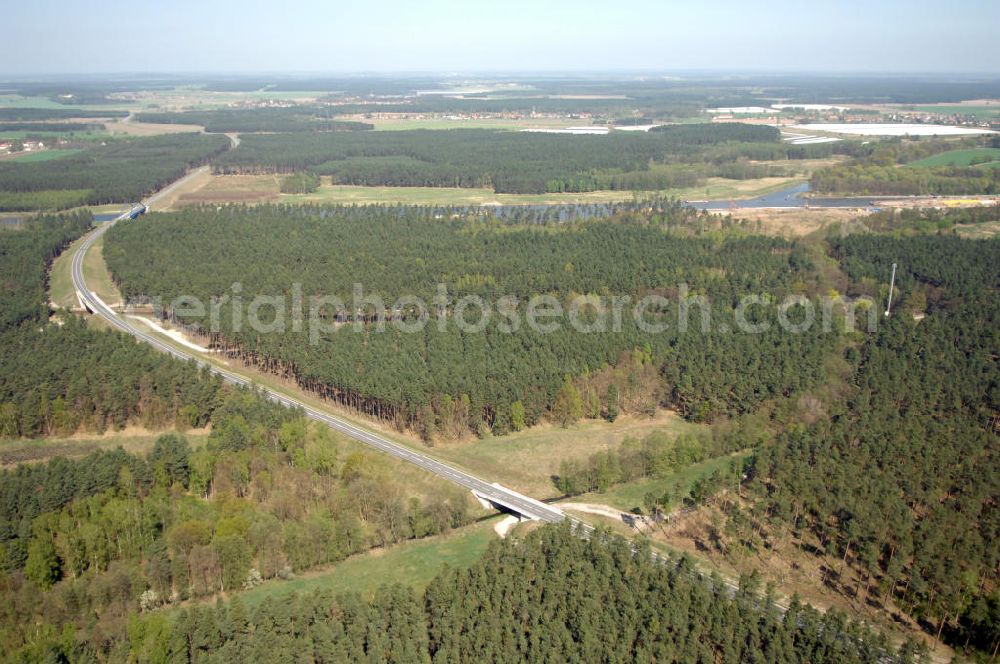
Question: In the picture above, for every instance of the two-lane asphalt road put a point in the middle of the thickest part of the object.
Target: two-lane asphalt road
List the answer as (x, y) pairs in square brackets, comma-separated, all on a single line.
[(492, 492)]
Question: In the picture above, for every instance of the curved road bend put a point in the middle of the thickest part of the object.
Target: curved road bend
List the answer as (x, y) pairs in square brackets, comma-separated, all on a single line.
[(492, 492)]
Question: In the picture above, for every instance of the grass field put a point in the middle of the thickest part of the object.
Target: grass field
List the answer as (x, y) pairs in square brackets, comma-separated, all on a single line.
[(44, 155), (960, 158), (149, 128), (133, 439), (412, 564), (210, 188), (526, 461), (629, 496), (18, 101), (992, 111), (979, 231)]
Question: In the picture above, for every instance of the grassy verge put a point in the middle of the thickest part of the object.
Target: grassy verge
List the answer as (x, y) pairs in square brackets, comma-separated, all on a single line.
[(62, 293), (97, 276), (524, 461)]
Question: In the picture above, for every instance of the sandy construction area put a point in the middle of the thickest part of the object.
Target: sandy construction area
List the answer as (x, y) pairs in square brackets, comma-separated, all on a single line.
[(173, 334), (794, 222)]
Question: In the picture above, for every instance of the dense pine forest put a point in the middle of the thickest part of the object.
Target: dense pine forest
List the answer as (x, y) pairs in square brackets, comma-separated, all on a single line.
[(267, 495), (508, 162), (116, 172), (901, 480), (58, 379), (546, 597), (443, 379)]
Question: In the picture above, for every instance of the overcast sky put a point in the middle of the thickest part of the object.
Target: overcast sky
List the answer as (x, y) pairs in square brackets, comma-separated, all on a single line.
[(77, 36)]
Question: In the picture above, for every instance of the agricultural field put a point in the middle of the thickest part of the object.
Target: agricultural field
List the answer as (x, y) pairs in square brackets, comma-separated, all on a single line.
[(970, 157), (757, 446), (45, 199), (21, 101), (44, 155), (133, 128), (227, 189), (984, 111)]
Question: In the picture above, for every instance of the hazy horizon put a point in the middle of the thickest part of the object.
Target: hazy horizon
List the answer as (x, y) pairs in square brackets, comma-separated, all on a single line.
[(108, 37)]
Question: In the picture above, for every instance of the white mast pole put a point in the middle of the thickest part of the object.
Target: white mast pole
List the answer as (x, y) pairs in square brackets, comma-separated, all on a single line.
[(892, 283)]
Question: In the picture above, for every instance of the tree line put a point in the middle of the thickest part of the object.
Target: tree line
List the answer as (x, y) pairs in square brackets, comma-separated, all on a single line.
[(63, 127), (36, 114), (291, 119)]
